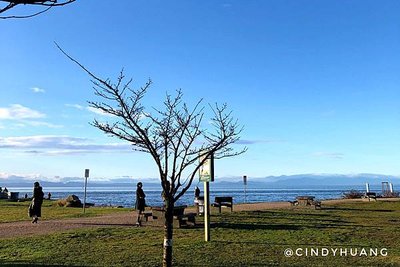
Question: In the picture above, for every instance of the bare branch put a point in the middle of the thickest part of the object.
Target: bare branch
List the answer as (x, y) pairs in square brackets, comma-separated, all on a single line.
[(48, 4), (172, 134)]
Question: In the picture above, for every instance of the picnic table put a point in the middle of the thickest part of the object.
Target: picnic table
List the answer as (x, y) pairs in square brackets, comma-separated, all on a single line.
[(180, 217), (305, 200)]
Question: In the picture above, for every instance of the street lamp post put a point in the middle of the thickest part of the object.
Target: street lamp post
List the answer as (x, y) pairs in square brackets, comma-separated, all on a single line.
[(84, 197)]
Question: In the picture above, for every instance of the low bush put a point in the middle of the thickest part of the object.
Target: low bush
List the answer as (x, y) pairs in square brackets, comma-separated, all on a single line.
[(70, 201), (352, 194)]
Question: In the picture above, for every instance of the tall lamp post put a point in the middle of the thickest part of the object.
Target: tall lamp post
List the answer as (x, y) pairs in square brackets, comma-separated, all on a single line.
[(245, 187), (84, 197)]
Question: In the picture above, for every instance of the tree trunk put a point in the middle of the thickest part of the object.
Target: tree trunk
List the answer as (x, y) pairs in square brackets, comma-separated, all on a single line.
[(168, 232)]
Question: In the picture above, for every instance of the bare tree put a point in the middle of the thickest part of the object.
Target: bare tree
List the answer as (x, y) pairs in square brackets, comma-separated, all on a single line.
[(6, 5), (174, 136)]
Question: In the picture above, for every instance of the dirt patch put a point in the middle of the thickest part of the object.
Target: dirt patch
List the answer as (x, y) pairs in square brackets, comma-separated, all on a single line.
[(17, 229)]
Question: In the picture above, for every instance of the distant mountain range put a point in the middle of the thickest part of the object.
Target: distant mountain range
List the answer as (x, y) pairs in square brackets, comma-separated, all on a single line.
[(312, 180), (284, 181)]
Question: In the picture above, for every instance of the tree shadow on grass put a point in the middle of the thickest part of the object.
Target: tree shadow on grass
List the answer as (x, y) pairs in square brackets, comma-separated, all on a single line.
[(337, 224), (24, 263), (107, 224), (293, 212), (301, 219), (246, 226), (285, 245), (356, 209)]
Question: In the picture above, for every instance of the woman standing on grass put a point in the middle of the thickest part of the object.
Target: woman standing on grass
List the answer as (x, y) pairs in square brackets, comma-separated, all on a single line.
[(35, 208), (140, 203)]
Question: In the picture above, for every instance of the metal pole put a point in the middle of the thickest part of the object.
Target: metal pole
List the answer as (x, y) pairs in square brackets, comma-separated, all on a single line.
[(206, 211), (245, 188), (84, 198), (245, 193)]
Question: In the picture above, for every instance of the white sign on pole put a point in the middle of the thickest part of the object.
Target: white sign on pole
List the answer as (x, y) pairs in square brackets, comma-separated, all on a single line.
[(206, 171), (206, 175)]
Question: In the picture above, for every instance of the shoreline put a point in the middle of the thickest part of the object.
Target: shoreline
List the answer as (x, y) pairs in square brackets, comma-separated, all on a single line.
[(241, 205), (286, 204)]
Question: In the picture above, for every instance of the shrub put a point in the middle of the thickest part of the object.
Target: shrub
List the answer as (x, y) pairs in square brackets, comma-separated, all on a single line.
[(70, 201), (391, 194), (352, 194)]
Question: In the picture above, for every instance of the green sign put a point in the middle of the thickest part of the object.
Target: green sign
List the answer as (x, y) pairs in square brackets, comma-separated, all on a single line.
[(206, 171)]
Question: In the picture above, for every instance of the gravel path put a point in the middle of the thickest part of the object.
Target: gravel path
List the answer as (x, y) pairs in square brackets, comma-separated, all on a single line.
[(26, 228)]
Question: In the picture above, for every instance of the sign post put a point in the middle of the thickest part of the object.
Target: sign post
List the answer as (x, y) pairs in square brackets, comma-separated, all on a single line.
[(207, 211), (245, 187), (206, 174), (367, 187), (84, 197)]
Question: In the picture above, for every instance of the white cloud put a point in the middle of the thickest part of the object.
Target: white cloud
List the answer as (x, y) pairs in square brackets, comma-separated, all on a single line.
[(24, 117), (332, 155), (24, 124), (37, 90), (98, 111), (19, 176), (42, 123), (257, 141), (19, 112), (74, 106), (59, 145), (91, 109), (19, 125)]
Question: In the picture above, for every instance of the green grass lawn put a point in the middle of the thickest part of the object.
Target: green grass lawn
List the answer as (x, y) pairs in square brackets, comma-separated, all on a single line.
[(18, 211), (256, 238)]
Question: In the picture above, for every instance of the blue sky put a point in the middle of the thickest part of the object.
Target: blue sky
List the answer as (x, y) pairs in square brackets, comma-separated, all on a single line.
[(315, 83)]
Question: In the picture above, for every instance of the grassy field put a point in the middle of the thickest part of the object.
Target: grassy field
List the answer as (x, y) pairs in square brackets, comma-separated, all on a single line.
[(18, 211), (252, 238)]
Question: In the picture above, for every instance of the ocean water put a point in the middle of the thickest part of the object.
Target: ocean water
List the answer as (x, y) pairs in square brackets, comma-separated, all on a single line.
[(105, 196)]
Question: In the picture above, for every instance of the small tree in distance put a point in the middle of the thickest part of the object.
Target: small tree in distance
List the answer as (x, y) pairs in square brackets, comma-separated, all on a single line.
[(45, 4), (174, 136)]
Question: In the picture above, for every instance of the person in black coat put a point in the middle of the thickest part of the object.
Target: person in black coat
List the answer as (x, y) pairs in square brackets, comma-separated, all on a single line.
[(140, 203), (35, 208), (197, 192)]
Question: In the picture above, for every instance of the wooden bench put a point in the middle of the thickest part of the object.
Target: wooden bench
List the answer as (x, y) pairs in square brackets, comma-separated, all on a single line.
[(147, 215), (317, 204), (223, 202)]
